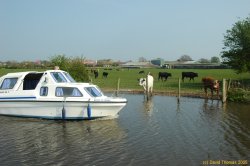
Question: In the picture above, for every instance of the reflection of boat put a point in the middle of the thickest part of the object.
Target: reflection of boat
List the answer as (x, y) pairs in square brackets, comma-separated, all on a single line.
[(54, 94)]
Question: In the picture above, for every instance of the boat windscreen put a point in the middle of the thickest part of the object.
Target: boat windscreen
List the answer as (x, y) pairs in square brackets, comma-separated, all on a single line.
[(58, 77), (69, 77), (93, 91)]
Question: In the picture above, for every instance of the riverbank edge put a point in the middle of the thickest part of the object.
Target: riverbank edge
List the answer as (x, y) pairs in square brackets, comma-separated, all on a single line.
[(231, 98), (162, 93)]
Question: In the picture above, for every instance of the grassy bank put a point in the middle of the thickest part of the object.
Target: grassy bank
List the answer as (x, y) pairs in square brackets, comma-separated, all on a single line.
[(129, 79)]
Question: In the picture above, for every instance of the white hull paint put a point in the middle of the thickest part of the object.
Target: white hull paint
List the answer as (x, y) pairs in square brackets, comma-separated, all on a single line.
[(54, 109)]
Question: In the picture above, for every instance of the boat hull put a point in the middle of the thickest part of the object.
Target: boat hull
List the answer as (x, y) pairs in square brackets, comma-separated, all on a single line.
[(61, 110)]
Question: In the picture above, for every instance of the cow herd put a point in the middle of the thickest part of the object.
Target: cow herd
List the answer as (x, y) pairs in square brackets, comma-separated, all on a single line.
[(96, 73), (164, 75), (207, 82)]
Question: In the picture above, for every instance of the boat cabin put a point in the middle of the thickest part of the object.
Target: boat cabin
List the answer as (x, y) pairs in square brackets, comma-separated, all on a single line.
[(51, 83)]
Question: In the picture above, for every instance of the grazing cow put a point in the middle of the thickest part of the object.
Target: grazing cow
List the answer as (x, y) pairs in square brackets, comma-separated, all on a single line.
[(190, 75), (105, 74), (141, 72), (164, 75), (212, 84), (96, 73), (142, 82)]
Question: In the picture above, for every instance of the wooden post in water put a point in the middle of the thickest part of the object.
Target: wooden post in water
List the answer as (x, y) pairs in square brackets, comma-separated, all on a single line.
[(224, 91), (229, 84), (118, 87), (179, 90), (147, 90)]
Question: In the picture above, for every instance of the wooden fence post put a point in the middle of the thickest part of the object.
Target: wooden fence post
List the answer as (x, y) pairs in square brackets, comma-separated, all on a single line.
[(179, 90), (224, 91), (147, 90), (229, 84), (117, 87)]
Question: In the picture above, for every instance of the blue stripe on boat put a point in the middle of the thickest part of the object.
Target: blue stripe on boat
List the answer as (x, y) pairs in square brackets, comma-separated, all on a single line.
[(17, 98), (52, 117)]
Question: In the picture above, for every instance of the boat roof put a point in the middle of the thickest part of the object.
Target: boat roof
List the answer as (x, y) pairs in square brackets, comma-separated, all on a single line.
[(23, 74), (17, 74)]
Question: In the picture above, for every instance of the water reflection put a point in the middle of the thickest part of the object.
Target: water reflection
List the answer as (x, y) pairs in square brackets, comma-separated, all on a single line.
[(210, 105), (32, 140), (236, 126), (148, 105)]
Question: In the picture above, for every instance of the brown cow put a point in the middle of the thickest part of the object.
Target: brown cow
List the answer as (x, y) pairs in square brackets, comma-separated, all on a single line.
[(212, 84)]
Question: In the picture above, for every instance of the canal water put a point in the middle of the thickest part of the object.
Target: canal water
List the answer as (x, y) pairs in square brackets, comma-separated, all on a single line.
[(154, 132)]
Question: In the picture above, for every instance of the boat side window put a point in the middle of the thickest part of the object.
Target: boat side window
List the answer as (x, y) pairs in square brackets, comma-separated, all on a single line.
[(44, 91), (93, 91), (68, 92), (31, 80), (9, 83), (58, 77)]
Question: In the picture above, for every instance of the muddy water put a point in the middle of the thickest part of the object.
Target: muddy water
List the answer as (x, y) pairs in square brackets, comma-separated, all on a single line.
[(154, 132)]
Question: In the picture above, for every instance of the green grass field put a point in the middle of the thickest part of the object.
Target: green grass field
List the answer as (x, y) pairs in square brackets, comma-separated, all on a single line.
[(129, 78)]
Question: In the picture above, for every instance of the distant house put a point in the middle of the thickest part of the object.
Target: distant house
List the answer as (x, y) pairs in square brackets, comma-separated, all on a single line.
[(89, 62)]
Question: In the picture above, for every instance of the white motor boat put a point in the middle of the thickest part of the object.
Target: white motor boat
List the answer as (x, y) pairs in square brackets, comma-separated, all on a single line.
[(53, 94)]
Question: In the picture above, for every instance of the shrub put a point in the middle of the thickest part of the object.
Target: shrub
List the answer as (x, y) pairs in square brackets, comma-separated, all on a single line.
[(74, 66), (78, 71), (238, 95)]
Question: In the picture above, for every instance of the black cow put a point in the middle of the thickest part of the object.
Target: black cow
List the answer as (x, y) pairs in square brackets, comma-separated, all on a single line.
[(141, 72), (190, 75), (96, 73), (164, 75), (105, 74)]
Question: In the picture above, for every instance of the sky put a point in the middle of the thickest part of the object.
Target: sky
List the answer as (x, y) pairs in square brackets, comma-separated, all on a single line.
[(116, 29)]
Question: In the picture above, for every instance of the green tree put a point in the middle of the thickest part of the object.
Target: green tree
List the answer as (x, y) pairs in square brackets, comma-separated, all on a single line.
[(77, 70), (60, 60), (74, 66), (237, 46), (184, 58), (215, 59)]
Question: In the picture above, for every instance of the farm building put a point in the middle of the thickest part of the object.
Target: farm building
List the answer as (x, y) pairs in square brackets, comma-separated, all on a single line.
[(174, 65), (137, 65), (158, 62), (193, 65)]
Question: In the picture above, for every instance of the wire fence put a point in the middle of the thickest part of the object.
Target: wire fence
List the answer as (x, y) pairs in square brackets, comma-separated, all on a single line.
[(190, 88)]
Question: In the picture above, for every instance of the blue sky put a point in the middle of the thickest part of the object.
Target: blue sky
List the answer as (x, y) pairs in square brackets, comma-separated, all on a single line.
[(116, 29)]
